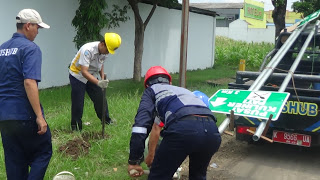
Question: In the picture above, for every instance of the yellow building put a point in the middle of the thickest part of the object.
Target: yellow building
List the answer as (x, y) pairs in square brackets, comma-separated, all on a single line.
[(253, 14), (251, 11), (291, 17)]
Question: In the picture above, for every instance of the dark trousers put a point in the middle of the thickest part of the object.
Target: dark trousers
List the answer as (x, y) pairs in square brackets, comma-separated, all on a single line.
[(196, 137), (78, 90), (24, 148)]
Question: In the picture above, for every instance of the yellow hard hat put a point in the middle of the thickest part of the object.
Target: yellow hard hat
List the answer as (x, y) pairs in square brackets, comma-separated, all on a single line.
[(113, 41)]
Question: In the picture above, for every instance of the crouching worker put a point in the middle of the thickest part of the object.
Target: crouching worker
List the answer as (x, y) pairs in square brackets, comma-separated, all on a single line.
[(189, 129), (153, 141), (86, 74)]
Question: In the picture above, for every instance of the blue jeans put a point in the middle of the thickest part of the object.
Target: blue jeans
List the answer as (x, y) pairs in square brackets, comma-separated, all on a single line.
[(196, 137), (78, 90), (24, 148)]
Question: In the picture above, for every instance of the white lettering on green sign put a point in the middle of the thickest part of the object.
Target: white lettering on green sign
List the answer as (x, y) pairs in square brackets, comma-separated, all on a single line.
[(259, 104), (252, 107)]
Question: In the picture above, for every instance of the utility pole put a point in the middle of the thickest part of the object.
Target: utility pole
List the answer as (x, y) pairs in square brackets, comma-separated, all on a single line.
[(184, 43)]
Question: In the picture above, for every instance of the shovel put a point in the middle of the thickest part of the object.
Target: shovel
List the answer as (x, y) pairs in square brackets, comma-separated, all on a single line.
[(103, 107)]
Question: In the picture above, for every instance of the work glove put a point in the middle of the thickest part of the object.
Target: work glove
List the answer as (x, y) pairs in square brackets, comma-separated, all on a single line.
[(103, 83)]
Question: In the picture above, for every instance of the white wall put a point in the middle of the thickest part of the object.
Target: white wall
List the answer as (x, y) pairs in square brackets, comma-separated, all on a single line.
[(201, 41), (238, 30), (222, 31), (56, 43), (161, 43)]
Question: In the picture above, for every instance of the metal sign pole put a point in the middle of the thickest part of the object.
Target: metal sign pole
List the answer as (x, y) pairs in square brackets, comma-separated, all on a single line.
[(265, 74)]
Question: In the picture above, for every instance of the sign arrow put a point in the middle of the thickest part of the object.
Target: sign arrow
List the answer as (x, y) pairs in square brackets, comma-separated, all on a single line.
[(219, 101)]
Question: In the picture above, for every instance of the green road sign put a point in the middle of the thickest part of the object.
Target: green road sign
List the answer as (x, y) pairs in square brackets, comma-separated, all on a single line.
[(257, 104), (309, 18)]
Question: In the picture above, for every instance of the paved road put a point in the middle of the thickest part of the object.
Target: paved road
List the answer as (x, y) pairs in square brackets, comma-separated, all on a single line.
[(237, 160), (278, 162)]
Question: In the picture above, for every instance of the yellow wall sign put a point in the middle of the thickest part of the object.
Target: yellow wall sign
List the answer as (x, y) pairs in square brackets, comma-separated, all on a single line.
[(252, 11), (253, 14)]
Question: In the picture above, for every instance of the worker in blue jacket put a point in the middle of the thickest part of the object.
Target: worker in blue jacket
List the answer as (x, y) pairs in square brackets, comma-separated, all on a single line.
[(154, 139), (189, 129)]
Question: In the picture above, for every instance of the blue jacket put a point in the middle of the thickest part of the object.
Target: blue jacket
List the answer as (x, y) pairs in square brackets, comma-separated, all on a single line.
[(169, 103), (20, 59)]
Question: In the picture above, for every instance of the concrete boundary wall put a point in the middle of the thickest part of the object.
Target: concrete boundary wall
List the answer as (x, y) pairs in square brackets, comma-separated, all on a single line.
[(161, 41), (238, 30)]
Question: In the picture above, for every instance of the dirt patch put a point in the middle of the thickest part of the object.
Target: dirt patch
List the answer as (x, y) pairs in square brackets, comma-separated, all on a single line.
[(219, 82), (75, 148), (230, 152), (80, 146), (93, 136)]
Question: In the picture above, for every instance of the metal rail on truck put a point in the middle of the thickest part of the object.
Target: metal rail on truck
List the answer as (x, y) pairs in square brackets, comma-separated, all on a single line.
[(268, 71)]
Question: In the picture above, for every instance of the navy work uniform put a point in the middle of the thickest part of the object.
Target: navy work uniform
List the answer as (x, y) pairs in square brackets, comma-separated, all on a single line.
[(20, 59), (190, 130)]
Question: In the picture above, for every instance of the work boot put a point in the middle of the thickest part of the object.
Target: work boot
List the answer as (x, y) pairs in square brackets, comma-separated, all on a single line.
[(109, 121), (76, 127)]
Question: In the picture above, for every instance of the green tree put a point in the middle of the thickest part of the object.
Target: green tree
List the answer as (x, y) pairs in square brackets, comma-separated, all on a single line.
[(306, 7), (140, 27), (279, 14), (90, 19)]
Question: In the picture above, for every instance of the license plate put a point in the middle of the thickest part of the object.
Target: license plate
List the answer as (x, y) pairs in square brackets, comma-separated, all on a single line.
[(292, 138)]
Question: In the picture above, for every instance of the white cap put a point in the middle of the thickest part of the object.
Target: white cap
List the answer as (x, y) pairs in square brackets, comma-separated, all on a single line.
[(64, 175), (32, 16)]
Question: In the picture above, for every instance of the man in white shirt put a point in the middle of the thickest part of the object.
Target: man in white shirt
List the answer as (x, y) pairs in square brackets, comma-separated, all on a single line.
[(87, 75)]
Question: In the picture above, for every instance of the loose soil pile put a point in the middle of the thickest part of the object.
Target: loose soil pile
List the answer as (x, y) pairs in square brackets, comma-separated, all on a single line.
[(79, 146), (75, 148)]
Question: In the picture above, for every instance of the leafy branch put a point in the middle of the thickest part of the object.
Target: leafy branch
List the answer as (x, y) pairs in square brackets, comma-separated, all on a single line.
[(91, 18)]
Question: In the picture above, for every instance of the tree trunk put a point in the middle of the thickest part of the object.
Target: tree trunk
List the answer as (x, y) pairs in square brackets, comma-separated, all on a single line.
[(138, 50), (279, 15), (140, 27)]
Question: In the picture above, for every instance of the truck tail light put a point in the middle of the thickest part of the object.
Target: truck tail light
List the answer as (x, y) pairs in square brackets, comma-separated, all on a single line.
[(243, 129)]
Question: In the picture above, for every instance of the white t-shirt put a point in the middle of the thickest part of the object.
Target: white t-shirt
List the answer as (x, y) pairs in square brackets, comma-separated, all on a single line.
[(88, 55)]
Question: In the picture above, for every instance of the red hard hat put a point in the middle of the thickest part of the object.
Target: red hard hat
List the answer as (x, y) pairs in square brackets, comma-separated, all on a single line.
[(155, 70)]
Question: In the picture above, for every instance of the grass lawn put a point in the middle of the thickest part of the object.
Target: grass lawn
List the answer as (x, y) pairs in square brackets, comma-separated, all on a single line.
[(106, 158)]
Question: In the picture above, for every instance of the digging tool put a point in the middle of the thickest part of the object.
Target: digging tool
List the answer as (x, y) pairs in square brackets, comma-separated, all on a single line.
[(103, 107)]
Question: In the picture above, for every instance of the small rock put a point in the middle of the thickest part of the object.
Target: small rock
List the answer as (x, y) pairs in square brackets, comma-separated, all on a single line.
[(214, 165)]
